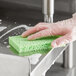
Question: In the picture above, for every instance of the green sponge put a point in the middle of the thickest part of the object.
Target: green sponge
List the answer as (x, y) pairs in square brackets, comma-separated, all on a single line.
[(23, 47)]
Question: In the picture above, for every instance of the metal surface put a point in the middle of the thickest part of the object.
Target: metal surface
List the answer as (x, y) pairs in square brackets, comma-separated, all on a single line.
[(13, 65), (47, 61), (58, 70), (68, 57), (48, 10), (13, 18), (44, 63)]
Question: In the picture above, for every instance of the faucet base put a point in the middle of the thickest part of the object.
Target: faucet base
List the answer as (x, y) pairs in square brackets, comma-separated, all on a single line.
[(48, 19)]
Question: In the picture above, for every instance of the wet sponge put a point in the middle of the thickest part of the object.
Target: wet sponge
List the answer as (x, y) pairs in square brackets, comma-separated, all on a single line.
[(24, 47)]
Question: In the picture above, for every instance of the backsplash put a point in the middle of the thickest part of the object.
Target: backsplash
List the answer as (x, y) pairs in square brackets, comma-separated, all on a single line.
[(60, 5)]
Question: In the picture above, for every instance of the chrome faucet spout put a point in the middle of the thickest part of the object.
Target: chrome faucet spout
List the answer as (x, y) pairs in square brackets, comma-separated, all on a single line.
[(48, 10)]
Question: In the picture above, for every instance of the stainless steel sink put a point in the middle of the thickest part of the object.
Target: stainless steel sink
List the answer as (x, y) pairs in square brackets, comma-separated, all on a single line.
[(21, 66), (11, 64)]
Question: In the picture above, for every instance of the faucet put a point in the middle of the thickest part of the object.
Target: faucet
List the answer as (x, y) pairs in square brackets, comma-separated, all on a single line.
[(48, 11)]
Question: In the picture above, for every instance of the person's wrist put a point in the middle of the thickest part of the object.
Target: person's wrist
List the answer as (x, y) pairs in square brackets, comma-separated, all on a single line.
[(74, 18)]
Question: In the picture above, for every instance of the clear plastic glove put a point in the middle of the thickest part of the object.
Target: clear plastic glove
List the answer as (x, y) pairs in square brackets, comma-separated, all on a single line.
[(66, 28)]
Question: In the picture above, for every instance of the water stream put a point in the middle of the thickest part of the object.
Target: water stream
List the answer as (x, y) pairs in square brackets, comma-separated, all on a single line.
[(24, 26)]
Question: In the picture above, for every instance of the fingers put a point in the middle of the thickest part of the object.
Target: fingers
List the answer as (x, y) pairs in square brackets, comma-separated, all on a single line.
[(47, 29), (62, 40), (38, 27), (42, 33), (53, 30), (60, 26), (28, 32)]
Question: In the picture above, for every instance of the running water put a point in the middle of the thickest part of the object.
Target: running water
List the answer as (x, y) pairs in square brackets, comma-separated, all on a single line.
[(24, 26)]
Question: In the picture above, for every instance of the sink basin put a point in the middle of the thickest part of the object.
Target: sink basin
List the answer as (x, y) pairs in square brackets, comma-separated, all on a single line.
[(12, 32), (16, 65), (10, 64), (23, 66)]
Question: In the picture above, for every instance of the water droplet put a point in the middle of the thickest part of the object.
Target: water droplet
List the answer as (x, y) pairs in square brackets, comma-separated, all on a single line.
[(8, 46), (0, 20), (29, 24), (15, 22), (5, 42)]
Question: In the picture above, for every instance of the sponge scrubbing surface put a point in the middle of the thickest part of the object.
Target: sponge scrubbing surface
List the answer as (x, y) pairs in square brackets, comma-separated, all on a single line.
[(23, 47)]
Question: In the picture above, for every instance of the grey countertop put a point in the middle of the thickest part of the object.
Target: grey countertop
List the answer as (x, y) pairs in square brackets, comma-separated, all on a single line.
[(12, 17)]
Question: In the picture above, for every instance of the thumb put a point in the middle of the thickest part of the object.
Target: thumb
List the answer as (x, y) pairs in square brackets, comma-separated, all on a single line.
[(62, 40)]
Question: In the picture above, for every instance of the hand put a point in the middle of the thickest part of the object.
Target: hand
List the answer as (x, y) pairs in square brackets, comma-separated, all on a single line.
[(65, 28)]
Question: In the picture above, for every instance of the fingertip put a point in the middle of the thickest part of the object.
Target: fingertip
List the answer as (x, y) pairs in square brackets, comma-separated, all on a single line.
[(30, 38), (54, 44), (24, 34)]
